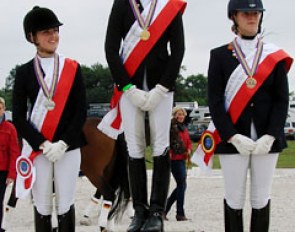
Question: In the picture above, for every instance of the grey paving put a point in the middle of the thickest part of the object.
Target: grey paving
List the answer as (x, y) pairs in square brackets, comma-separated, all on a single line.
[(204, 206)]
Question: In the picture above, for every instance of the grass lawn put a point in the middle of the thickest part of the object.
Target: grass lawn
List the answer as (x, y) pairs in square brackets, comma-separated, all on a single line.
[(286, 158)]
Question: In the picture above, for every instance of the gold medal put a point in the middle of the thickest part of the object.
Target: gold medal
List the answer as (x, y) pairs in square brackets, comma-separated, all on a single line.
[(251, 82), (145, 35), (49, 104), (144, 18)]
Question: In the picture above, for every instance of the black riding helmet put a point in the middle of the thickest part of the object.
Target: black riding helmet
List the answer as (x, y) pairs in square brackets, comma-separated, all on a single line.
[(38, 19), (244, 5)]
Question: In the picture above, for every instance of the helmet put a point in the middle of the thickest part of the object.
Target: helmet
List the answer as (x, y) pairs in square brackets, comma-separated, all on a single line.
[(244, 5), (39, 19)]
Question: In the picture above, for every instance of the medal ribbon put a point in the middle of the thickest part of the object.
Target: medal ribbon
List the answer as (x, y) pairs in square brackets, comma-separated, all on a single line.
[(242, 60), (38, 71), (144, 24)]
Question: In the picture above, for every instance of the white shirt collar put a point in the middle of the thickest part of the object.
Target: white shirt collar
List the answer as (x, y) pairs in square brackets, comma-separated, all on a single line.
[(144, 3), (247, 45)]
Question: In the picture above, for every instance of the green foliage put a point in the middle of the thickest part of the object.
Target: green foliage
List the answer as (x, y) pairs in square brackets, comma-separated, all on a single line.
[(6, 92), (98, 82), (190, 89)]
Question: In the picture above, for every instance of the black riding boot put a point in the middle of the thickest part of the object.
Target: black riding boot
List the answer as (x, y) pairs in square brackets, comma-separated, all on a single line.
[(159, 192), (138, 185), (66, 222), (42, 222), (233, 219), (260, 219)]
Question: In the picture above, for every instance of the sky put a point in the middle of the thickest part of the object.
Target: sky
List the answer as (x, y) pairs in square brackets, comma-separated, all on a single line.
[(82, 36)]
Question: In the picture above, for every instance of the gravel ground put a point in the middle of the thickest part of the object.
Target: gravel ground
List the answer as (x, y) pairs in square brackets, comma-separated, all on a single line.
[(203, 205)]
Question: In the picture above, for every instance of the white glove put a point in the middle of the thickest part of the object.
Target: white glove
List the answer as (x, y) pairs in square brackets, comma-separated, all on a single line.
[(56, 151), (243, 144), (154, 97), (264, 145), (45, 147), (136, 96)]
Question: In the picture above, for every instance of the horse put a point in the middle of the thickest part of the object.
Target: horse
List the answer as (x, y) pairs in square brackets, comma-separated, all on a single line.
[(104, 163)]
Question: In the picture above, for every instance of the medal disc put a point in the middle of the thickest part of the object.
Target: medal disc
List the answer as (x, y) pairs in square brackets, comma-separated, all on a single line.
[(145, 35), (251, 82), (49, 104)]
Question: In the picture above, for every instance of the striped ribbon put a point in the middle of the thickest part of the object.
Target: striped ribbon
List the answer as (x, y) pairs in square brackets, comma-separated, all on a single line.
[(144, 24), (241, 57), (48, 92)]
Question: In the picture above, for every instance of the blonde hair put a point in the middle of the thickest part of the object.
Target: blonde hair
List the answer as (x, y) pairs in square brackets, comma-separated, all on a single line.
[(2, 101), (178, 108)]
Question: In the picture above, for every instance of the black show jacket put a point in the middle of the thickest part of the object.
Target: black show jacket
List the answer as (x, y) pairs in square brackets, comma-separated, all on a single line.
[(69, 128), (162, 67), (267, 109)]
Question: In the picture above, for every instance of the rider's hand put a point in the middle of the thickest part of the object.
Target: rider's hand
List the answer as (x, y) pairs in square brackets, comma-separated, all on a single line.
[(264, 145), (154, 97), (243, 144), (57, 151), (45, 147), (136, 96)]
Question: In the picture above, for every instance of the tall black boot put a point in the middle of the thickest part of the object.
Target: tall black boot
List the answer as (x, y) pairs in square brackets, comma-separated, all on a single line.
[(233, 219), (42, 222), (138, 185), (160, 187), (260, 219), (66, 222)]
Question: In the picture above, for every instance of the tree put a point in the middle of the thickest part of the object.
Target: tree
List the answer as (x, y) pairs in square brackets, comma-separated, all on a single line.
[(193, 88), (6, 92), (98, 82)]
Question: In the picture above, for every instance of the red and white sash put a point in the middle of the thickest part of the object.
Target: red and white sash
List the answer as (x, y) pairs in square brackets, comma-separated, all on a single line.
[(133, 52), (46, 122), (237, 96)]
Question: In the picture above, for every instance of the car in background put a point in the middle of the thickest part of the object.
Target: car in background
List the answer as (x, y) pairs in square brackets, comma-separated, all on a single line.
[(289, 130), (195, 131), (8, 115)]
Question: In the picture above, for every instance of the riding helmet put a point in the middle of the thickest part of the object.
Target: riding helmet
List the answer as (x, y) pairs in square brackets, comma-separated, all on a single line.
[(38, 19), (244, 5)]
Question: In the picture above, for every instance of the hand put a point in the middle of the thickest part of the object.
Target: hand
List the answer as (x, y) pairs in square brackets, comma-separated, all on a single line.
[(9, 181), (45, 147), (154, 97), (136, 96), (243, 144), (56, 151), (188, 162), (264, 145)]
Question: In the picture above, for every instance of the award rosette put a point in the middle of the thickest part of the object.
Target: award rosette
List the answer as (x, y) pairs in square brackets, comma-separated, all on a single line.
[(24, 167), (208, 144)]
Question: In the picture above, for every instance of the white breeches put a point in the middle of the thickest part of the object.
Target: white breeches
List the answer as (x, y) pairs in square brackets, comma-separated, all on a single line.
[(63, 174), (261, 170), (133, 119)]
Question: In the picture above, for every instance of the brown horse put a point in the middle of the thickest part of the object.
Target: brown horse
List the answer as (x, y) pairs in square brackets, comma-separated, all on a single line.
[(104, 162)]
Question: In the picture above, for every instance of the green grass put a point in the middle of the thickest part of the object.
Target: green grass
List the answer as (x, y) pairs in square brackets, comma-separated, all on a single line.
[(286, 158)]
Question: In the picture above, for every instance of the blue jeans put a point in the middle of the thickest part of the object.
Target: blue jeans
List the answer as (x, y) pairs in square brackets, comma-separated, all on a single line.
[(178, 170)]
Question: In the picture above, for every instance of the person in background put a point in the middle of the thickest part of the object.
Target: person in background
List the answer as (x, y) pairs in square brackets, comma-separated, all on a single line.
[(180, 150), (9, 151), (248, 101), (49, 110)]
